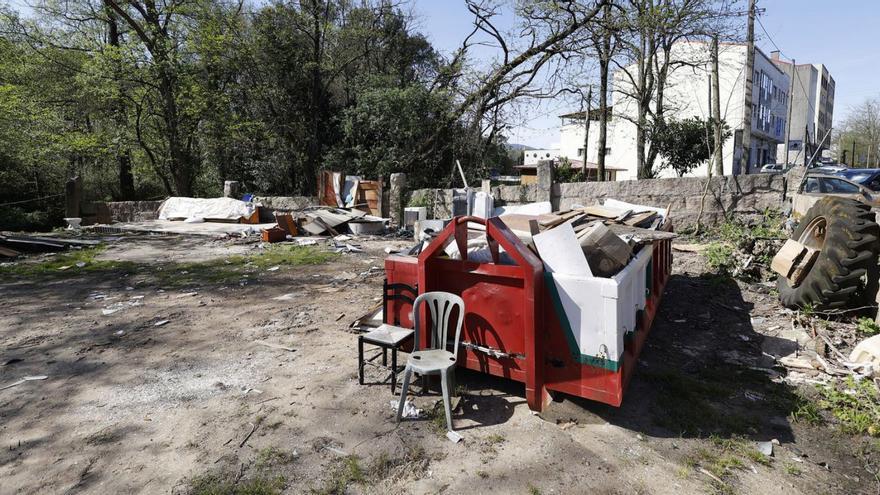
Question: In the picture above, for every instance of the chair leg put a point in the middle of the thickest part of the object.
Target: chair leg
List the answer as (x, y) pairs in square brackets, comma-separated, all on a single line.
[(403, 390), (452, 391), (360, 361), (444, 384), (393, 370)]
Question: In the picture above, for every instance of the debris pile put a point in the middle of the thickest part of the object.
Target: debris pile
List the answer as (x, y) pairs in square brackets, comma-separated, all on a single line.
[(600, 240)]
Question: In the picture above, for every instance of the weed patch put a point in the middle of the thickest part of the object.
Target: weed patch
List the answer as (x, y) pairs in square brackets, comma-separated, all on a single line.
[(867, 326), (66, 263), (219, 484), (855, 404), (170, 275)]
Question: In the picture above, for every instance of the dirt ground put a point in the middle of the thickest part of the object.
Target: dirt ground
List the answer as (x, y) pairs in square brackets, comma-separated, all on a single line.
[(196, 404)]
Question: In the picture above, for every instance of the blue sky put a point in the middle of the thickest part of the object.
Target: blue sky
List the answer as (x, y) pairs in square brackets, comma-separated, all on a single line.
[(837, 34)]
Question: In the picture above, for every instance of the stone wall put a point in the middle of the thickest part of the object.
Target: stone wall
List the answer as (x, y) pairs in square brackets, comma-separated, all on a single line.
[(133, 211), (284, 204), (744, 196)]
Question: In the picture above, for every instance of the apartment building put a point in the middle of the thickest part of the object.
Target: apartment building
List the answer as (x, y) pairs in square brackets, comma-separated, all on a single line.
[(812, 110)]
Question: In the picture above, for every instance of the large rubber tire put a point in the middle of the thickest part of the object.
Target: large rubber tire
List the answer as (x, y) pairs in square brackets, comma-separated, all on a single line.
[(845, 272)]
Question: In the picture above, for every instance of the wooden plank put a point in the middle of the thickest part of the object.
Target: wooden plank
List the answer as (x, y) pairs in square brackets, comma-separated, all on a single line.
[(8, 253), (637, 219), (793, 261), (601, 211), (606, 253)]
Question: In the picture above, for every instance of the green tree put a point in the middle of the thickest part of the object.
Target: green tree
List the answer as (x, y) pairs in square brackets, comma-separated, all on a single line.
[(685, 144)]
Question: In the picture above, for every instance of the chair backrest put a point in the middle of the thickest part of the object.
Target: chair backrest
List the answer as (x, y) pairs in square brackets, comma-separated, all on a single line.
[(441, 305), (397, 293)]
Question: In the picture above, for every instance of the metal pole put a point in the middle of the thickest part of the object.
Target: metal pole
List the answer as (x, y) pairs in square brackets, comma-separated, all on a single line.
[(716, 111), (790, 105), (745, 157)]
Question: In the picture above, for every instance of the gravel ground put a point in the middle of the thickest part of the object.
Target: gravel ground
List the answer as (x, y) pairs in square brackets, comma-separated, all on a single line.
[(131, 407)]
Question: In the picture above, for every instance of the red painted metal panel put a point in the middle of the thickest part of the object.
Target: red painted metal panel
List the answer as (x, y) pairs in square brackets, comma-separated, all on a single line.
[(507, 309)]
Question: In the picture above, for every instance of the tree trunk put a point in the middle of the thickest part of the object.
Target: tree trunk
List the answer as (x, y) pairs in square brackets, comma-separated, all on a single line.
[(587, 131), (123, 154), (604, 62)]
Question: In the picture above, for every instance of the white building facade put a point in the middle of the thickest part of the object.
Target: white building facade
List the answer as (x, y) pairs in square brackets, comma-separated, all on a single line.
[(687, 95)]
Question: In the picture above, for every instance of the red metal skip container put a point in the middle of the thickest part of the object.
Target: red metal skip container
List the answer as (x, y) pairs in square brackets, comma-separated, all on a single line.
[(514, 326)]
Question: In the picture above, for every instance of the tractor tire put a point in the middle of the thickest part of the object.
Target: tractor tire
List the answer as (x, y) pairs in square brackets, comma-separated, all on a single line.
[(845, 272)]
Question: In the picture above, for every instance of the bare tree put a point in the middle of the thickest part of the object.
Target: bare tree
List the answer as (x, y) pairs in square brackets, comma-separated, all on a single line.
[(529, 64), (649, 31), (862, 126)]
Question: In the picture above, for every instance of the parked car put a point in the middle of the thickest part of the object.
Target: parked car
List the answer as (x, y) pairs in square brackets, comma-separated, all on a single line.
[(817, 185), (868, 177), (829, 169), (773, 168)]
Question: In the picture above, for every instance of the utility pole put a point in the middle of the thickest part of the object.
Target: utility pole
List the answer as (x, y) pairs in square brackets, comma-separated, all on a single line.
[(790, 104), (744, 158), (716, 109), (604, 62), (853, 159), (587, 130)]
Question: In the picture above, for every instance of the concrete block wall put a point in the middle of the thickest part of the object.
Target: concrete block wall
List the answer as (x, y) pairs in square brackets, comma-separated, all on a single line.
[(284, 204), (133, 211), (743, 196)]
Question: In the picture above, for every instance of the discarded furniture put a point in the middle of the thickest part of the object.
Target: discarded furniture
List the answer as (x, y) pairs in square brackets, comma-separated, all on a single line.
[(578, 335), (386, 337), (436, 359), (389, 335)]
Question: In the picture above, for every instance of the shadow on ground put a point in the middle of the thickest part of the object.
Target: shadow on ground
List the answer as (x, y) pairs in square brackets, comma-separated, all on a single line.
[(702, 373)]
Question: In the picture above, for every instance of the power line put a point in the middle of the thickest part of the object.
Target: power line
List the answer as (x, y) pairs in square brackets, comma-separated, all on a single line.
[(793, 68)]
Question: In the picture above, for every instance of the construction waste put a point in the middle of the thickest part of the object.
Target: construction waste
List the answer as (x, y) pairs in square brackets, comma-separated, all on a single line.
[(590, 241)]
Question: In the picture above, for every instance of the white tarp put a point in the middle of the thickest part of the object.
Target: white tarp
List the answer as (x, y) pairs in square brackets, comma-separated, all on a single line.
[(176, 208), (526, 209)]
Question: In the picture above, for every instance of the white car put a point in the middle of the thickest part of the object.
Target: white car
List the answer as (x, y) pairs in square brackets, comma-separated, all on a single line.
[(773, 168)]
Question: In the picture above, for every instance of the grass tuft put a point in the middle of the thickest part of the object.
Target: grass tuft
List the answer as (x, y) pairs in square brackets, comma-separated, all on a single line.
[(855, 404)]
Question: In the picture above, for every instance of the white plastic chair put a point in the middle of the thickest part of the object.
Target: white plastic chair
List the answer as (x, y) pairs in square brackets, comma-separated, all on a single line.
[(435, 360)]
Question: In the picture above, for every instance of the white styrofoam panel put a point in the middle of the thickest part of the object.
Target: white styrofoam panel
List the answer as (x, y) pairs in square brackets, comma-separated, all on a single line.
[(601, 310)]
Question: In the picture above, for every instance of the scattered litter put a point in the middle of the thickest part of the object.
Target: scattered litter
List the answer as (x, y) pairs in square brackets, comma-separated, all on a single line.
[(766, 448), (273, 269), (65, 267), (24, 379), (753, 396), (187, 294), (161, 322), (410, 411), (690, 248), (336, 451), (116, 307), (120, 333), (275, 346), (253, 429), (290, 296), (305, 242), (341, 315), (347, 248), (12, 361), (453, 436), (80, 264)]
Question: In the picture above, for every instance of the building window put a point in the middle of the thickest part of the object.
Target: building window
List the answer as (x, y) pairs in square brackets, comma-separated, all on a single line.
[(607, 151), (580, 152)]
